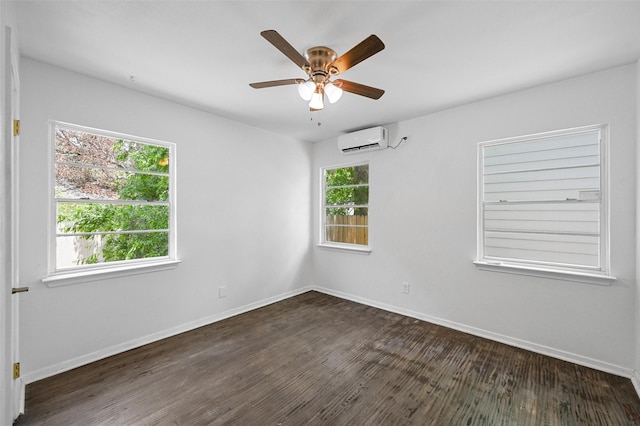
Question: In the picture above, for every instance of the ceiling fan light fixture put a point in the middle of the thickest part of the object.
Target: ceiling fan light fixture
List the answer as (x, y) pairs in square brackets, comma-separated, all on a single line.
[(306, 89), (321, 63), (334, 93), (317, 101)]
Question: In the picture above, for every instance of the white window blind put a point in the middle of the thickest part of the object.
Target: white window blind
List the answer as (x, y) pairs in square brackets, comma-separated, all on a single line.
[(541, 200)]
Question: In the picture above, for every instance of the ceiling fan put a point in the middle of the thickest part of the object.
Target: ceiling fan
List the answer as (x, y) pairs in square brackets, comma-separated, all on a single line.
[(320, 64)]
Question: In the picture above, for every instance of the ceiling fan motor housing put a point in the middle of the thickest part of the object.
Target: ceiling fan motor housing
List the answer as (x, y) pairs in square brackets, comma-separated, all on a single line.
[(320, 59)]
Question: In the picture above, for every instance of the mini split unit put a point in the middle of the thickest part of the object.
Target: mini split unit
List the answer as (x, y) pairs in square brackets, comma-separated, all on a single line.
[(371, 139)]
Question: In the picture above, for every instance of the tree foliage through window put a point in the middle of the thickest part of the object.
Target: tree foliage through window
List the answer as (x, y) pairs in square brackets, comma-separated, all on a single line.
[(346, 199), (113, 194)]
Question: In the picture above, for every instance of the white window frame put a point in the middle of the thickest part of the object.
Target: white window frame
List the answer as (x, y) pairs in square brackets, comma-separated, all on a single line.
[(347, 247), (78, 274), (593, 275)]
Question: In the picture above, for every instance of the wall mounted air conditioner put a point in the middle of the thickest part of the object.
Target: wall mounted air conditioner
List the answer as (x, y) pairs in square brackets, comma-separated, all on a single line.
[(364, 140)]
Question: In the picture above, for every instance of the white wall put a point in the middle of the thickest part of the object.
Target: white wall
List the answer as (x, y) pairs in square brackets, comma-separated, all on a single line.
[(422, 218), (423, 226), (243, 222)]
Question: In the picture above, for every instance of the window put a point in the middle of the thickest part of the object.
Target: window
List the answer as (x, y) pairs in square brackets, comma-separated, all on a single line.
[(542, 202), (112, 200), (345, 205)]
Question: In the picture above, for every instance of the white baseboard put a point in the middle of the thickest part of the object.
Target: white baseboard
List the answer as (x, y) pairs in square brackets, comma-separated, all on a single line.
[(511, 341), (635, 379), (52, 370)]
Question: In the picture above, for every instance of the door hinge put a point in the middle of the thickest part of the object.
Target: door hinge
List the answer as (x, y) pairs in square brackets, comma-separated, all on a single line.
[(16, 370), (16, 127)]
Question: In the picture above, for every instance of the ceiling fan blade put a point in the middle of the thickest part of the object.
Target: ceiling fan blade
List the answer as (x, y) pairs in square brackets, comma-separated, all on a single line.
[(363, 50), (359, 89), (283, 45), (263, 84)]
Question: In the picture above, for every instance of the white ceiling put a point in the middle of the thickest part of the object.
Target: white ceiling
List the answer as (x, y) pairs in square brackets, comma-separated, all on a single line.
[(438, 55)]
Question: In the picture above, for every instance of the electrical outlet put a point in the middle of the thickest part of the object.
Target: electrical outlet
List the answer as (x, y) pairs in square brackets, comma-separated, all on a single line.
[(405, 287), (222, 291)]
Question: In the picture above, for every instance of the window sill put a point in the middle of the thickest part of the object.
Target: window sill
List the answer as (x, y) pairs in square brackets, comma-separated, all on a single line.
[(346, 247), (583, 277), (77, 277)]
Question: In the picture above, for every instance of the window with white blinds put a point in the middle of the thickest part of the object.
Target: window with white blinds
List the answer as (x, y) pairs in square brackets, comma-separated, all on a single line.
[(542, 201)]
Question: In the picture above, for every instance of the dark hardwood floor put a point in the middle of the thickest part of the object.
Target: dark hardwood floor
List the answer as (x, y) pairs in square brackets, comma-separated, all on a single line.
[(315, 359)]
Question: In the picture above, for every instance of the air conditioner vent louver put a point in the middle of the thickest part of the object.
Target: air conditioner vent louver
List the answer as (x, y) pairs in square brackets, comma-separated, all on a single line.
[(371, 139)]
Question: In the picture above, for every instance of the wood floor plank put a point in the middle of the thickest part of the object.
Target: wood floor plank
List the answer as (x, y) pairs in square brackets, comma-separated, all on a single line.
[(319, 360)]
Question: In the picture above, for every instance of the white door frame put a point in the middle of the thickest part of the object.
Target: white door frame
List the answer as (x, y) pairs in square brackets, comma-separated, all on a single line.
[(18, 385), (12, 403)]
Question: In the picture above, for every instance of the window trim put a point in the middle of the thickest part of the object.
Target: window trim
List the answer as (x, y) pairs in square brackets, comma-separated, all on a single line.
[(556, 274), (63, 276), (337, 246), (113, 271), (601, 275)]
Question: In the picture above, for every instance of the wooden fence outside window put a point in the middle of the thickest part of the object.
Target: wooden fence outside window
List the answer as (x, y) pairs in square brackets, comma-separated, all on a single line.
[(347, 229)]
